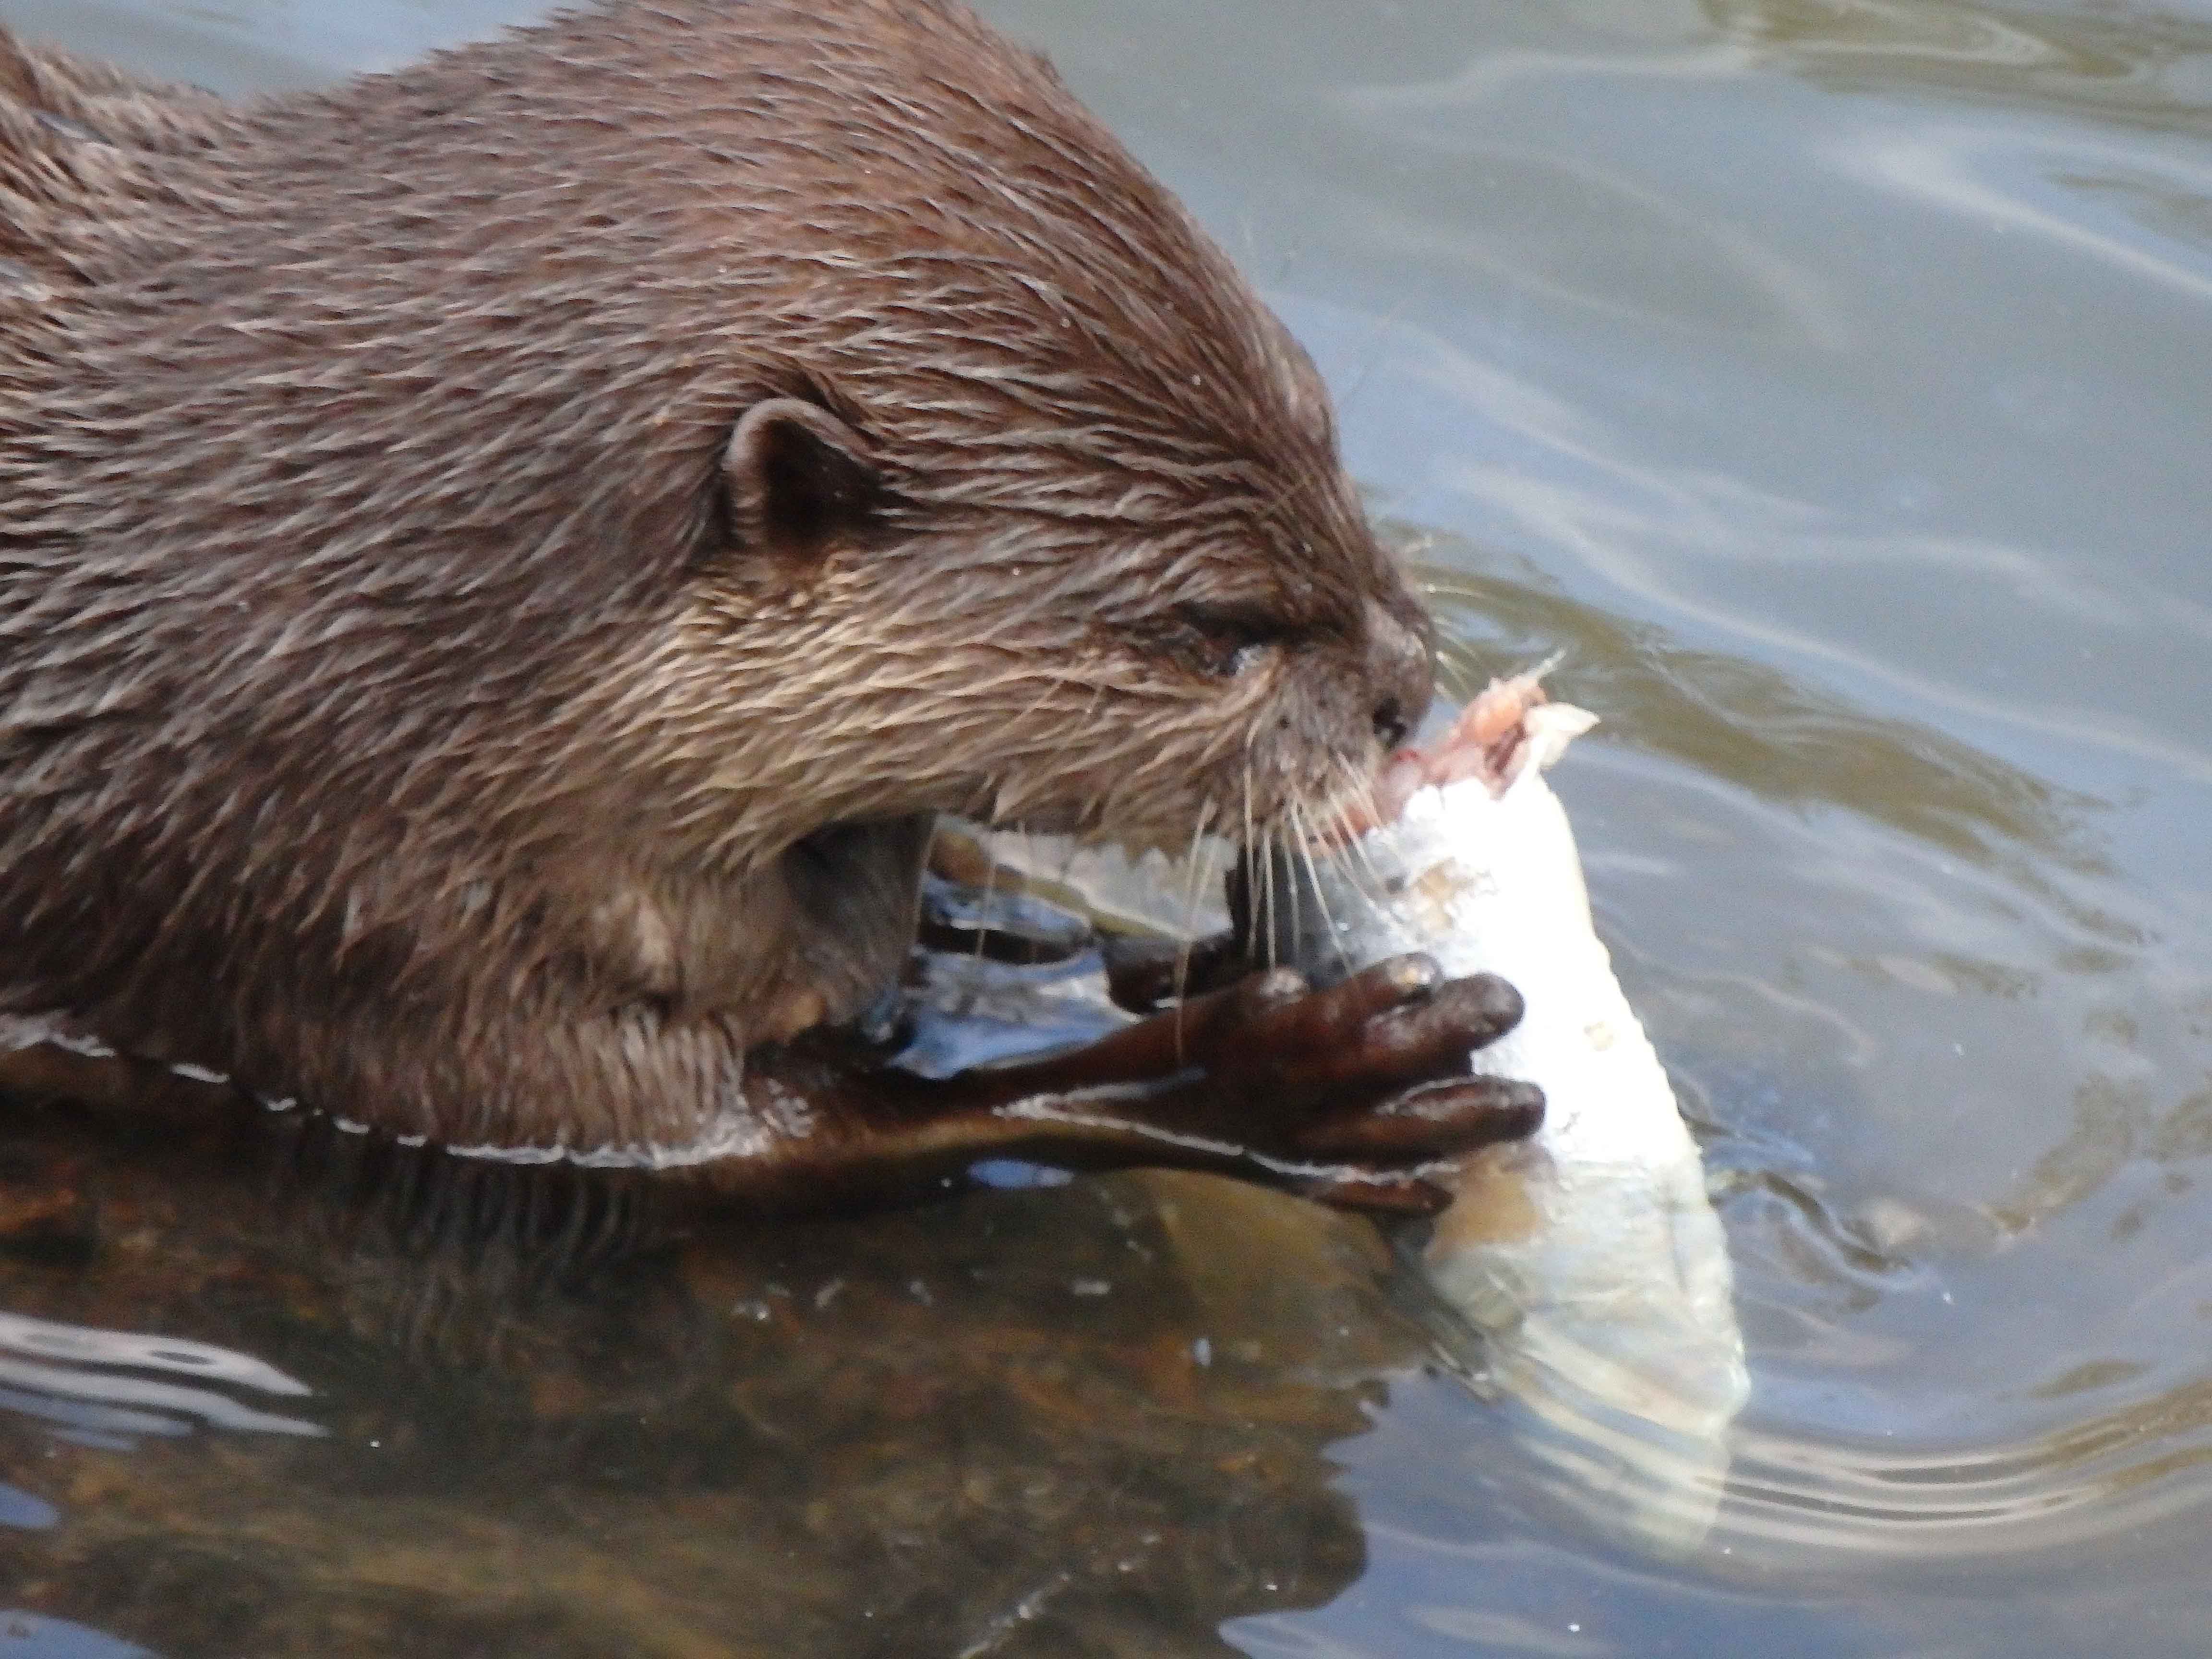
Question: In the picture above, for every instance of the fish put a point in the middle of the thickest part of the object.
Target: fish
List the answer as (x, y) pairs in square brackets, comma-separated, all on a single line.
[(1584, 1273)]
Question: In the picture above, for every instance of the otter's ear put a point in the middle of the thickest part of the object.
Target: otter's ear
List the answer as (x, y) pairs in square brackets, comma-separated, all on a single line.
[(796, 478)]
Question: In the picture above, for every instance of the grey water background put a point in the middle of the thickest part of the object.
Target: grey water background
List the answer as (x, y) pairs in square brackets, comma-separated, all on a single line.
[(1831, 380)]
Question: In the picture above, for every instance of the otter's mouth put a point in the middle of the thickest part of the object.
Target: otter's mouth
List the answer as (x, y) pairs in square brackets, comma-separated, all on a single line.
[(1146, 893), (1164, 874)]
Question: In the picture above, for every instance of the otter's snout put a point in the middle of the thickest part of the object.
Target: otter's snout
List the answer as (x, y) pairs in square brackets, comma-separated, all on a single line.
[(1398, 672)]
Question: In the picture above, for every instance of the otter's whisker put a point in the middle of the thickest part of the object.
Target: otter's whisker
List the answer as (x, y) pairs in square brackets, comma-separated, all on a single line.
[(990, 888), (1190, 871), (928, 850), (1182, 944), (1212, 872), (1244, 853), (1263, 873), (1354, 855), (1194, 871), (1312, 879)]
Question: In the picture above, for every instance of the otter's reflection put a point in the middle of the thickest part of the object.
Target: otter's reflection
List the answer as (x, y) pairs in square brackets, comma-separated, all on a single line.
[(532, 1410)]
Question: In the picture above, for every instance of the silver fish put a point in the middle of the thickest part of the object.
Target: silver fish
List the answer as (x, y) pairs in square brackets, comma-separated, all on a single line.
[(1589, 1260)]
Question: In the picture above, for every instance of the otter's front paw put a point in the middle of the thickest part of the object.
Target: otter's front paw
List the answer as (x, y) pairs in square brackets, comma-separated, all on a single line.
[(1369, 1080)]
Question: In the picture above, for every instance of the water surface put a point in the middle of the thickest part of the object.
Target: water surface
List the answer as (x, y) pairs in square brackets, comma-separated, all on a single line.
[(1827, 378)]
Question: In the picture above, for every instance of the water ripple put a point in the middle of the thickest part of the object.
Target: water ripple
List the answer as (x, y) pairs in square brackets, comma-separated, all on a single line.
[(88, 1381)]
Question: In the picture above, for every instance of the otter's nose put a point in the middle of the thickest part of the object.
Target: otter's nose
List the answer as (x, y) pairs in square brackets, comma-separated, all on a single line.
[(1398, 669)]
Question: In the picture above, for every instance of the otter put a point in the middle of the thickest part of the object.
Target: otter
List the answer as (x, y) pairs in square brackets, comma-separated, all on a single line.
[(502, 564)]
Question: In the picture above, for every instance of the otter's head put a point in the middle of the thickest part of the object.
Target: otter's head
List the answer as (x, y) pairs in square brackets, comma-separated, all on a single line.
[(1031, 510), (678, 428)]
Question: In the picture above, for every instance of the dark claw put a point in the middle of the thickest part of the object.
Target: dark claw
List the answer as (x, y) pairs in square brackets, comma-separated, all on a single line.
[(1393, 1026), (1435, 1120), (1401, 981), (1377, 1192), (1278, 987), (1331, 1031), (1485, 1006), (1431, 1039)]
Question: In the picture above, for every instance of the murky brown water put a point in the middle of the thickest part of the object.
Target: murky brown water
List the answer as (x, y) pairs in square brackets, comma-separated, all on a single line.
[(1829, 380)]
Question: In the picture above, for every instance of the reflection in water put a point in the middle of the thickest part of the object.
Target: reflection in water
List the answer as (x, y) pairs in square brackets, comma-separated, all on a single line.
[(1578, 235), (2140, 65), (81, 1378), (1802, 1502), (1729, 718), (27, 1636), (2036, 187), (928, 1405), (557, 1423)]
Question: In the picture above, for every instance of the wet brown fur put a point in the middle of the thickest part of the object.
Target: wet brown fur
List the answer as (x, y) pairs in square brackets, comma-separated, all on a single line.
[(399, 710)]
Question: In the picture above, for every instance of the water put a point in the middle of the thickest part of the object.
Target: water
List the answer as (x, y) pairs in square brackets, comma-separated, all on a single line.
[(1828, 381)]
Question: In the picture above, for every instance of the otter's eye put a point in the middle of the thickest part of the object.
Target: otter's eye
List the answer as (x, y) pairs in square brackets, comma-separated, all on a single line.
[(1221, 640)]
